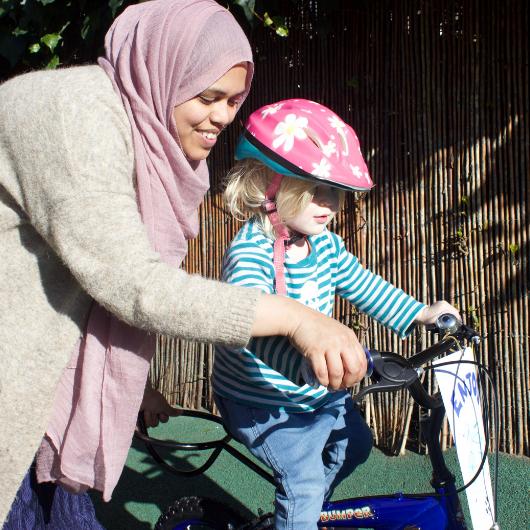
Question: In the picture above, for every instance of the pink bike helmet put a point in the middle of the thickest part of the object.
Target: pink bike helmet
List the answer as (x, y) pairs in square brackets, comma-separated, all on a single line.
[(302, 138)]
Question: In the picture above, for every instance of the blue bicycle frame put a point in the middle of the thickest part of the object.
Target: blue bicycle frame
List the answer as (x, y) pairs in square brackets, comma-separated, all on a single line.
[(430, 511)]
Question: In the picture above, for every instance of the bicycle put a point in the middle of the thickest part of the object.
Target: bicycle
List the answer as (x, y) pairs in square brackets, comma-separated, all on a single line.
[(438, 510)]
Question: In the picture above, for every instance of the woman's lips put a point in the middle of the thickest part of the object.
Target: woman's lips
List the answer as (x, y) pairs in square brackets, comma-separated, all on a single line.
[(207, 138)]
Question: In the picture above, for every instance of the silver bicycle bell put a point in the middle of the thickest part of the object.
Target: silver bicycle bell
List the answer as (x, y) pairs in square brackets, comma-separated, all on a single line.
[(448, 323)]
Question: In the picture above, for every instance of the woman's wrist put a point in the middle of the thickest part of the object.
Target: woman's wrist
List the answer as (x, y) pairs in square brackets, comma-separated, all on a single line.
[(276, 315)]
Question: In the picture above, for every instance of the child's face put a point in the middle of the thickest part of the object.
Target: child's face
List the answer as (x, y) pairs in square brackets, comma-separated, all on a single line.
[(201, 119), (318, 213)]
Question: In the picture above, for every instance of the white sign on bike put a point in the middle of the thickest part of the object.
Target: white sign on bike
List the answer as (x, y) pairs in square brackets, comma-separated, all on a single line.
[(460, 394)]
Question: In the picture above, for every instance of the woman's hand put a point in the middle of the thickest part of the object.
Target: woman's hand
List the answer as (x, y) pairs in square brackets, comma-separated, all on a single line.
[(333, 350), (430, 313), (336, 355), (156, 408)]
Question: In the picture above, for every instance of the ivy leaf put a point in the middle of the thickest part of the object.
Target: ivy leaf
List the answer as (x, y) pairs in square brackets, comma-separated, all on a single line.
[(85, 27), (248, 8), (34, 48), (267, 21), (114, 6), (46, 2), (513, 248), (17, 32), (51, 40), (282, 31)]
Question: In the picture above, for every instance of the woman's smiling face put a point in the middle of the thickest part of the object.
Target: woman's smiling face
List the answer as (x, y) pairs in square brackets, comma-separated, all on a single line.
[(199, 120)]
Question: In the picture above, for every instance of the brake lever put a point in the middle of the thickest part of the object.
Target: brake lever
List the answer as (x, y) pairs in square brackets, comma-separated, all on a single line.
[(391, 371)]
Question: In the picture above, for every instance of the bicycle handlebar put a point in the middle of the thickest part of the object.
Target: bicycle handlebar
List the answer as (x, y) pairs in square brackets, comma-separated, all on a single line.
[(393, 372)]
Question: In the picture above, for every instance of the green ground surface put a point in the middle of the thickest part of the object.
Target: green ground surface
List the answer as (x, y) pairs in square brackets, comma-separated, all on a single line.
[(145, 490)]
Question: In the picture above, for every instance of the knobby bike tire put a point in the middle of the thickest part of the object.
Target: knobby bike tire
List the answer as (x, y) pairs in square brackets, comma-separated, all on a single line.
[(198, 513)]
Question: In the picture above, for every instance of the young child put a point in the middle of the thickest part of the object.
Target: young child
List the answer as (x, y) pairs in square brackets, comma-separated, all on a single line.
[(297, 158)]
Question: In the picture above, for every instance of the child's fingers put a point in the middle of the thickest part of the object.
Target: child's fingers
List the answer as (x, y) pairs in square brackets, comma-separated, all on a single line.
[(172, 411), (432, 312), (150, 418)]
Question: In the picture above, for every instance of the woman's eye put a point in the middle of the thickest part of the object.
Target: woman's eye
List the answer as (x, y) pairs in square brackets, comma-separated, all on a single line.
[(206, 100), (234, 102)]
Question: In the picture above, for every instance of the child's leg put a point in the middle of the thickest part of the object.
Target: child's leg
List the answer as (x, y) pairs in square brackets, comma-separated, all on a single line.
[(292, 445), (349, 443)]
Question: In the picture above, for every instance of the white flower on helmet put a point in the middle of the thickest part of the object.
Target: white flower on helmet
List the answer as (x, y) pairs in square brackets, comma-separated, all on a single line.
[(289, 129), (329, 148), (271, 109), (322, 169), (356, 170), (336, 123)]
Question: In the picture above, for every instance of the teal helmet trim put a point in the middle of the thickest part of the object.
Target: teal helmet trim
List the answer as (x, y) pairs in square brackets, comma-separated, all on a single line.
[(245, 149)]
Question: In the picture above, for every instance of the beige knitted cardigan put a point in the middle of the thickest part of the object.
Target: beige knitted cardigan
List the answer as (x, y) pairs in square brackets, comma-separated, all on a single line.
[(70, 232)]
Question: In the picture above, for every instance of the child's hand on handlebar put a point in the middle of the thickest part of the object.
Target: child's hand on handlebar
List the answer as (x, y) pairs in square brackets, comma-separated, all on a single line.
[(429, 314)]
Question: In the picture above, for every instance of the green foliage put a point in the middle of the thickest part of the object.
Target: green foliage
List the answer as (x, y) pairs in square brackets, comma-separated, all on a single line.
[(48, 33), (248, 8), (253, 13)]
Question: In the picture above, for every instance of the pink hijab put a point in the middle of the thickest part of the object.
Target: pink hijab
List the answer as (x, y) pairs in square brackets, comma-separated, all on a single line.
[(158, 54)]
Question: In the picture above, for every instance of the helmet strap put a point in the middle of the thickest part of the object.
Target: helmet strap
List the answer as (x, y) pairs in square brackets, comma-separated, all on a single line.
[(280, 230)]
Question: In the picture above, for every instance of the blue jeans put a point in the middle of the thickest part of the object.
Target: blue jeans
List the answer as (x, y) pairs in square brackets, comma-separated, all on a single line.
[(309, 453)]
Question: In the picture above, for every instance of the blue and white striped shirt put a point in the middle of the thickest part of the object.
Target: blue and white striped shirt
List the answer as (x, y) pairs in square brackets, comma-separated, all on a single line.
[(265, 373)]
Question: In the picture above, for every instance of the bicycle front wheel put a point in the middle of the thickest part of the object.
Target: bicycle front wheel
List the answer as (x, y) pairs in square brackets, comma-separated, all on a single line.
[(198, 513)]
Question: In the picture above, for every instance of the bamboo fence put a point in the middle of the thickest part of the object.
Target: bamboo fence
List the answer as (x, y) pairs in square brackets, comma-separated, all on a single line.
[(438, 94)]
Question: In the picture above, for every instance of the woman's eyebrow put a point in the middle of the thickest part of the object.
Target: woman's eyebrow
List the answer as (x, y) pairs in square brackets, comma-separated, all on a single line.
[(219, 92)]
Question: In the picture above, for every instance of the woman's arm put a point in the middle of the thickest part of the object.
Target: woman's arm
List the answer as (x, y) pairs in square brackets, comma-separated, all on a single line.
[(336, 355)]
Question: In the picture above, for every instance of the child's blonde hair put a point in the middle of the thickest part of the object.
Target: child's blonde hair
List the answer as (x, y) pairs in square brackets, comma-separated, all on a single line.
[(246, 184)]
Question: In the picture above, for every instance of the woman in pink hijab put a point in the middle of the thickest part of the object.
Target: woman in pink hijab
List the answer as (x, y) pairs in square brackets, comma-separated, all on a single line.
[(102, 170)]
